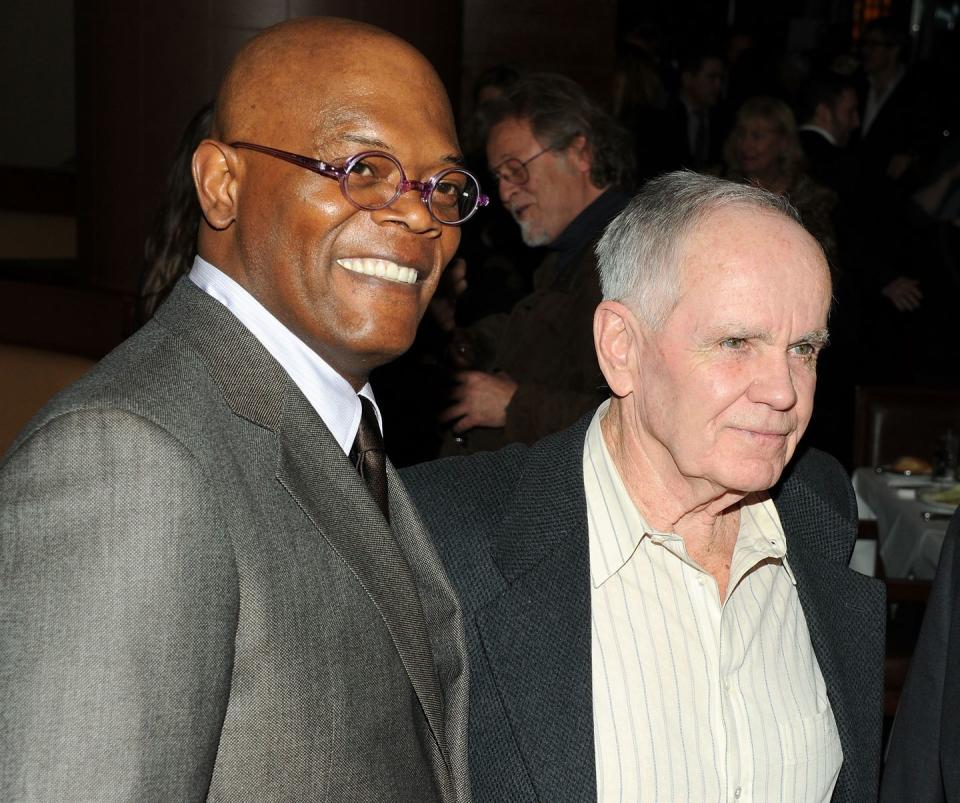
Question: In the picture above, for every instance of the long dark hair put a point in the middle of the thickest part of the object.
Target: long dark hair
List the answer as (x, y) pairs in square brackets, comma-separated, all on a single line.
[(172, 242)]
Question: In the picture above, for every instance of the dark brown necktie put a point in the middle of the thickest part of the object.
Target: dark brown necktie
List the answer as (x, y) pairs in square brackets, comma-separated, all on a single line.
[(369, 457)]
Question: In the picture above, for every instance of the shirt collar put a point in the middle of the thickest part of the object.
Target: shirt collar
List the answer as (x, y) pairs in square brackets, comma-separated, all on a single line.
[(328, 393), (821, 131), (613, 541), (760, 537), (590, 222)]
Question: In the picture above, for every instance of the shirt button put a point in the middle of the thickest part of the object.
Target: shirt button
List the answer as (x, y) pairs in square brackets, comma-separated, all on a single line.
[(736, 792)]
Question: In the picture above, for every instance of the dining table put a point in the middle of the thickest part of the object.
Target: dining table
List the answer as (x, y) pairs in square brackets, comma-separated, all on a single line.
[(910, 527)]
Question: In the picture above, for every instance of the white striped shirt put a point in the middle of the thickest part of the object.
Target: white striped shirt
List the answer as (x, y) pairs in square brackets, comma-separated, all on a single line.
[(694, 700)]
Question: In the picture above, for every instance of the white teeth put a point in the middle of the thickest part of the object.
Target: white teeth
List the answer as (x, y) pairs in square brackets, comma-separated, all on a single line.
[(382, 268)]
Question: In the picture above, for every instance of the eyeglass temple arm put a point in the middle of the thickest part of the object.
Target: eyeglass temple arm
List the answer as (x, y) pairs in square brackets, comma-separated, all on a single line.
[(315, 165)]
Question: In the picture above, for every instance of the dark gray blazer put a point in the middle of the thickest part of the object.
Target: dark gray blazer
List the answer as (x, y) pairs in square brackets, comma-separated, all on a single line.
[(511, 527), (923, 759), (200, 600)]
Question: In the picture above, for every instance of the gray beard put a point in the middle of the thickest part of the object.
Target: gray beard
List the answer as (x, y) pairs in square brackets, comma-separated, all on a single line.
[(532, 237)]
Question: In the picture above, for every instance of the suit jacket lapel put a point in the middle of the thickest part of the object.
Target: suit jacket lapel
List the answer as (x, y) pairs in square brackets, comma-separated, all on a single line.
[(320, 478), (441, 609), (536, 636), (316, 473), (844, 613)]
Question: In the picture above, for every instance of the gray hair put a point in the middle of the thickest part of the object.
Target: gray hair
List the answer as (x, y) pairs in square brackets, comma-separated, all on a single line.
[(638, 254), (559, 111)]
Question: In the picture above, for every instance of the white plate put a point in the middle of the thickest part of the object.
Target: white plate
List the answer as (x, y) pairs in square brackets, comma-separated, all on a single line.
[(906, 480)]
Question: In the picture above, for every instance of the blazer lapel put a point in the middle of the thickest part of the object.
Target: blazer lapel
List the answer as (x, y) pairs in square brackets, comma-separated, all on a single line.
[(441, 609), (845, 617), (316, 473), (536, 636)]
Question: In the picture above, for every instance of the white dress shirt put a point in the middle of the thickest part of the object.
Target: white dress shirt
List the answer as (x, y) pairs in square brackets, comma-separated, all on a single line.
[(331, 395), (821, 131), (693, 699)]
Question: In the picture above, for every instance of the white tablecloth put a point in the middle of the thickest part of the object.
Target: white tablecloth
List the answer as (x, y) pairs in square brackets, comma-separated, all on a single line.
[(909, 545)]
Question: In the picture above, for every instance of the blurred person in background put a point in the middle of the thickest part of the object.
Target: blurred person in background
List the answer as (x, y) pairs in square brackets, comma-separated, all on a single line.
[(764, 150), (830, 114), (898, 119), (896, 144), (692, 130), (562, 165)]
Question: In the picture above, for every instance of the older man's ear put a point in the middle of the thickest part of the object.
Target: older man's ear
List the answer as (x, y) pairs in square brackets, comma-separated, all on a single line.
[(215, 176), (617, 340), (579, 154)]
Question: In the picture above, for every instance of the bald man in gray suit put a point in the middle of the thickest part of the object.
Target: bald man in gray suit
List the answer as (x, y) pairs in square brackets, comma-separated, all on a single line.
[(200, 596)]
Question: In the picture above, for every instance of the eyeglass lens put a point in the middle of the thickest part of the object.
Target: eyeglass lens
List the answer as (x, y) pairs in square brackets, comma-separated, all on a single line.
[(373, 183), (513, 171)]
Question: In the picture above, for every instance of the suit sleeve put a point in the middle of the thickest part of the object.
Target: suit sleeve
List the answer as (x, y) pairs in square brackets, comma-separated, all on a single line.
[(913, 769), (118, 606)]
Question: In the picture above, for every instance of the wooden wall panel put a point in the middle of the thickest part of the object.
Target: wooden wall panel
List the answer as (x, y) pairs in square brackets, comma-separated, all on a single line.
[(567, 36), (73, 320), (142, 71), (433, 26)]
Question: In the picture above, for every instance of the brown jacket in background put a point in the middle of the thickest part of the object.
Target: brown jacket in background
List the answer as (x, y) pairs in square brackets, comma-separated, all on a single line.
[(545, 344)]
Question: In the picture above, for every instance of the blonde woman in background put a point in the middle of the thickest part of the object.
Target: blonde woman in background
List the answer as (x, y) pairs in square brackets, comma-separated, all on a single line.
[(764, 150)]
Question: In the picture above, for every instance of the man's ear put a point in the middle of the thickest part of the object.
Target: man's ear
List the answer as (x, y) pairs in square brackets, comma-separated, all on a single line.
[(214, 174), (579, 153), (616, 338)]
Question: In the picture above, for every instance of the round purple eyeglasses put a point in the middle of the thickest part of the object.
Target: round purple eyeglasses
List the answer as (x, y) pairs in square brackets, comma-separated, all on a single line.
[(374, 180)]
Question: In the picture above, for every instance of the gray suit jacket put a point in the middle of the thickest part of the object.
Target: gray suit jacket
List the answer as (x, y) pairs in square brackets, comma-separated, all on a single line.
[(199, 598), (511, 527)]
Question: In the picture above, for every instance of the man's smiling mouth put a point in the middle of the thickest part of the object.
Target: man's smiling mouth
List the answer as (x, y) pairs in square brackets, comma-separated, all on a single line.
[(381, 268)]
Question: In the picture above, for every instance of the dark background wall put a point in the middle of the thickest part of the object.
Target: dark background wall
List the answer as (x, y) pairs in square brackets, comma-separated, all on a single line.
[(96, 93)]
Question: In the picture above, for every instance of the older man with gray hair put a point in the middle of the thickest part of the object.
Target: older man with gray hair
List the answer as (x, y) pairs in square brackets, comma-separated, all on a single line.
[(658, 600), (562, 167)]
